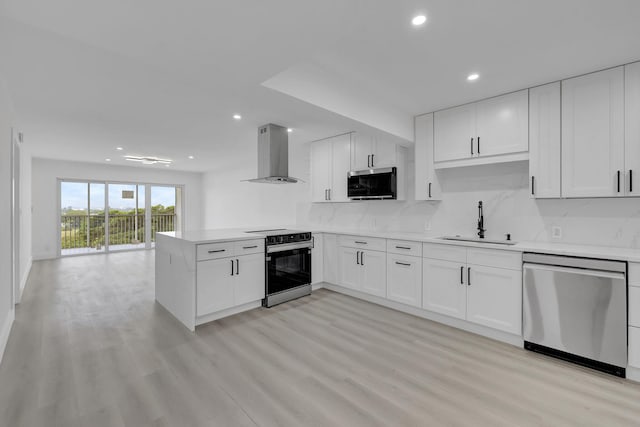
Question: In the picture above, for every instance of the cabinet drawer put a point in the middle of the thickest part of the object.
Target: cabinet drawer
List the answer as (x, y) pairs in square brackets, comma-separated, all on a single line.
[(361, 242), (404, 247), (495, 258), (634, 347), (246, 247), (444, 252), (634, 274), (214, 250), (634, 306)]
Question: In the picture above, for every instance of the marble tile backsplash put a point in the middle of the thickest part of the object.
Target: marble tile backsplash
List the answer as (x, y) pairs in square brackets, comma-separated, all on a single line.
[(507, 209)]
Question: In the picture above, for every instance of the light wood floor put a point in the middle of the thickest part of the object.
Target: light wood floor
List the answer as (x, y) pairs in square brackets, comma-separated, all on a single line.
[(91, 348)]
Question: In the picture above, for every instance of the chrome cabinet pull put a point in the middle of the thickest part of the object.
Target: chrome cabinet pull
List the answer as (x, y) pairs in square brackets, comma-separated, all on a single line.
[(403, 263), (360, 243), (630, 181), (478, 145), (403, 247), (216, 251), (361, 258), (237, 266), (369, 160), (232, 267), (472, 146), (618, 181), (358, 257), (429, 190), (468, 276), (372, 165), (250, 247), (462, 275), (533, 188)]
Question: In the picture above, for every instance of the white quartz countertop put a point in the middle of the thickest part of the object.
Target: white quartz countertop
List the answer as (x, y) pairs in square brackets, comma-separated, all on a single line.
[(212, 236), (588, 251)]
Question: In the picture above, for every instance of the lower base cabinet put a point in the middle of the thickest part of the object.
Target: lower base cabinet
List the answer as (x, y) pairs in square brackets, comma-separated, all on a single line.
[(444, 288), (404, 279), (228, 282), (363, 270)]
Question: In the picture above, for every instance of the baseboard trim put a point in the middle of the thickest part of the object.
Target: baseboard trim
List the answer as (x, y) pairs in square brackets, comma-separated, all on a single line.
[(6, 331), (23, 280), (316, 286), (43, 257), (425, 314)]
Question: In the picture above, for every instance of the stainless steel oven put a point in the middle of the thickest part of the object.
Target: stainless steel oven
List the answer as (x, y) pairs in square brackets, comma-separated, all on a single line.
[(288, 265)]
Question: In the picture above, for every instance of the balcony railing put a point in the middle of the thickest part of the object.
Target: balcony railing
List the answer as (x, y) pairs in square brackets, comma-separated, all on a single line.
[(89, 231)]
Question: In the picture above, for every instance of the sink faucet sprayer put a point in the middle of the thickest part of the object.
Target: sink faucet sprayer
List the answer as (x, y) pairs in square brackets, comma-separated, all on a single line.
[(481, 228)]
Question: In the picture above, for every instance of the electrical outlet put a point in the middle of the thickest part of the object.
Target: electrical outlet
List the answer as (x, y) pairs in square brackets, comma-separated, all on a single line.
[(556, 232)]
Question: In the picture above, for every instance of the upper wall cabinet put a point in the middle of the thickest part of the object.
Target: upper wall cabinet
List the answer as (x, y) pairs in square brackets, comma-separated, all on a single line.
[(593, 135), (369, 152), (632, 129), (427, 186), (544, 141), (473, 133), (329, 169)]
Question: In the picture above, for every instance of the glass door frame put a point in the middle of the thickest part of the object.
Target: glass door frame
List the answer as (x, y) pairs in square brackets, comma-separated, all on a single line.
[(179, 224)]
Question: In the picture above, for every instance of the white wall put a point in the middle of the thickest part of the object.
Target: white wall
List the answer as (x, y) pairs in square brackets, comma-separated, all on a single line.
[(6, 296), (507, 209), (45, 174), (229, 202), (25, 217)]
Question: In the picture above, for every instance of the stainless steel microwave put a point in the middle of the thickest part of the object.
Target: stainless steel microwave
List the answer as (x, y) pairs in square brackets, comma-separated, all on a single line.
[(372, 184)]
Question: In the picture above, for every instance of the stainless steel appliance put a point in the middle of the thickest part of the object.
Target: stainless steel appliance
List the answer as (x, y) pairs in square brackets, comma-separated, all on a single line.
[(273, 156), (576, 309), (288, 265), (372, 184)]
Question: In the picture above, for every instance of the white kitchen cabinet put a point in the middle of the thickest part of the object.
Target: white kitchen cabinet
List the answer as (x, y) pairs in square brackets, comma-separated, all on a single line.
[(374, 272), (492, 127), (427, 186), (330, 163), (214, 285), (349, 267), (544, 141), (634, 347), (363, 270), (455, 133), (317, 258), (494, 298), (228, 282), (444, 288), (249, 282), (632, 129), (593, 135), (404, 279), (331, 258), (371, 152)]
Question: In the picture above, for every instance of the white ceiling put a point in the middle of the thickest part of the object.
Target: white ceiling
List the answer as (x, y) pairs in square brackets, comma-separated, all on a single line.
[(163, 77)]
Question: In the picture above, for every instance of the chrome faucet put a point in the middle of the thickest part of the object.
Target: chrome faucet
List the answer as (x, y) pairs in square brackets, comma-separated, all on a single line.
[(481, 228)]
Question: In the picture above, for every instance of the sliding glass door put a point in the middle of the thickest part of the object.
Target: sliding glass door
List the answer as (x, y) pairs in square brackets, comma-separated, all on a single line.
[(100, 217)]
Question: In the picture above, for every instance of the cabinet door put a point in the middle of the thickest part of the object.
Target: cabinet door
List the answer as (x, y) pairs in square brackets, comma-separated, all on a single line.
[(249, 283), (361, 150), (502, 124), (404, 279), (544, 141), (320, 171), (453, 132), (341, 149), (374, 276), (214, 285), (330, 257), (427, 185), (632, 129), (494, 298), (593, 135), (349, 268), (317, 259), (384, 154), (444, 288)]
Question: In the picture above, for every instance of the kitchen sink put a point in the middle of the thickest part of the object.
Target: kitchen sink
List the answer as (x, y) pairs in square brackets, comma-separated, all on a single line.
[(478, 240)]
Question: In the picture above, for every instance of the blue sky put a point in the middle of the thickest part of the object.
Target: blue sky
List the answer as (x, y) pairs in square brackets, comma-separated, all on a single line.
[(74, 194)]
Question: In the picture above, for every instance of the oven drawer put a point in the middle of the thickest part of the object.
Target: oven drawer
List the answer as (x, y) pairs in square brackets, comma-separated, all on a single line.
[(208, 251), (404, 247), (362, 242), (246, 247)]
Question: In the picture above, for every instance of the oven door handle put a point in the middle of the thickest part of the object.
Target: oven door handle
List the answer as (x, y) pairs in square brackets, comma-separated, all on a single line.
[(289, 246)]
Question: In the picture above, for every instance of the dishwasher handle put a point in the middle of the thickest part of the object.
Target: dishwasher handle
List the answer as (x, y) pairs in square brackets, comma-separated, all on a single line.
[(572, 270)]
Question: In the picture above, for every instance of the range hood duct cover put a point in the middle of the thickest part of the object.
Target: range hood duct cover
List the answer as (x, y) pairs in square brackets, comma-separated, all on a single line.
[(273, 156)]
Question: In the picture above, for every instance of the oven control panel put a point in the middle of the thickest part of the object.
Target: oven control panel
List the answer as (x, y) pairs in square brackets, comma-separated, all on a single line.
[(288, 238)]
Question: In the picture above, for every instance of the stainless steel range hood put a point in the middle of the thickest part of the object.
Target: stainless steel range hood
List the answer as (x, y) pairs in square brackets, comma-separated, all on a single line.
[(273, 156)]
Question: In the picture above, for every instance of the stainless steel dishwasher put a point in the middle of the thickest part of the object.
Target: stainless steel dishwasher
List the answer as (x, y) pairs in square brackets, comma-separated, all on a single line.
[(576, 309)]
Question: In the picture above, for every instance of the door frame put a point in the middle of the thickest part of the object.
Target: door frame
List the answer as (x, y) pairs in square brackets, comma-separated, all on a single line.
[(16, 143)]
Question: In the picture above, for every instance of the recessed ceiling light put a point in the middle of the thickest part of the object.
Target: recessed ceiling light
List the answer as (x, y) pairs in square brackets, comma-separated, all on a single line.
[(237, 116), (289, 130), (418, 20), (119, 148), (107, 160), (191, 157), (472, 77)]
